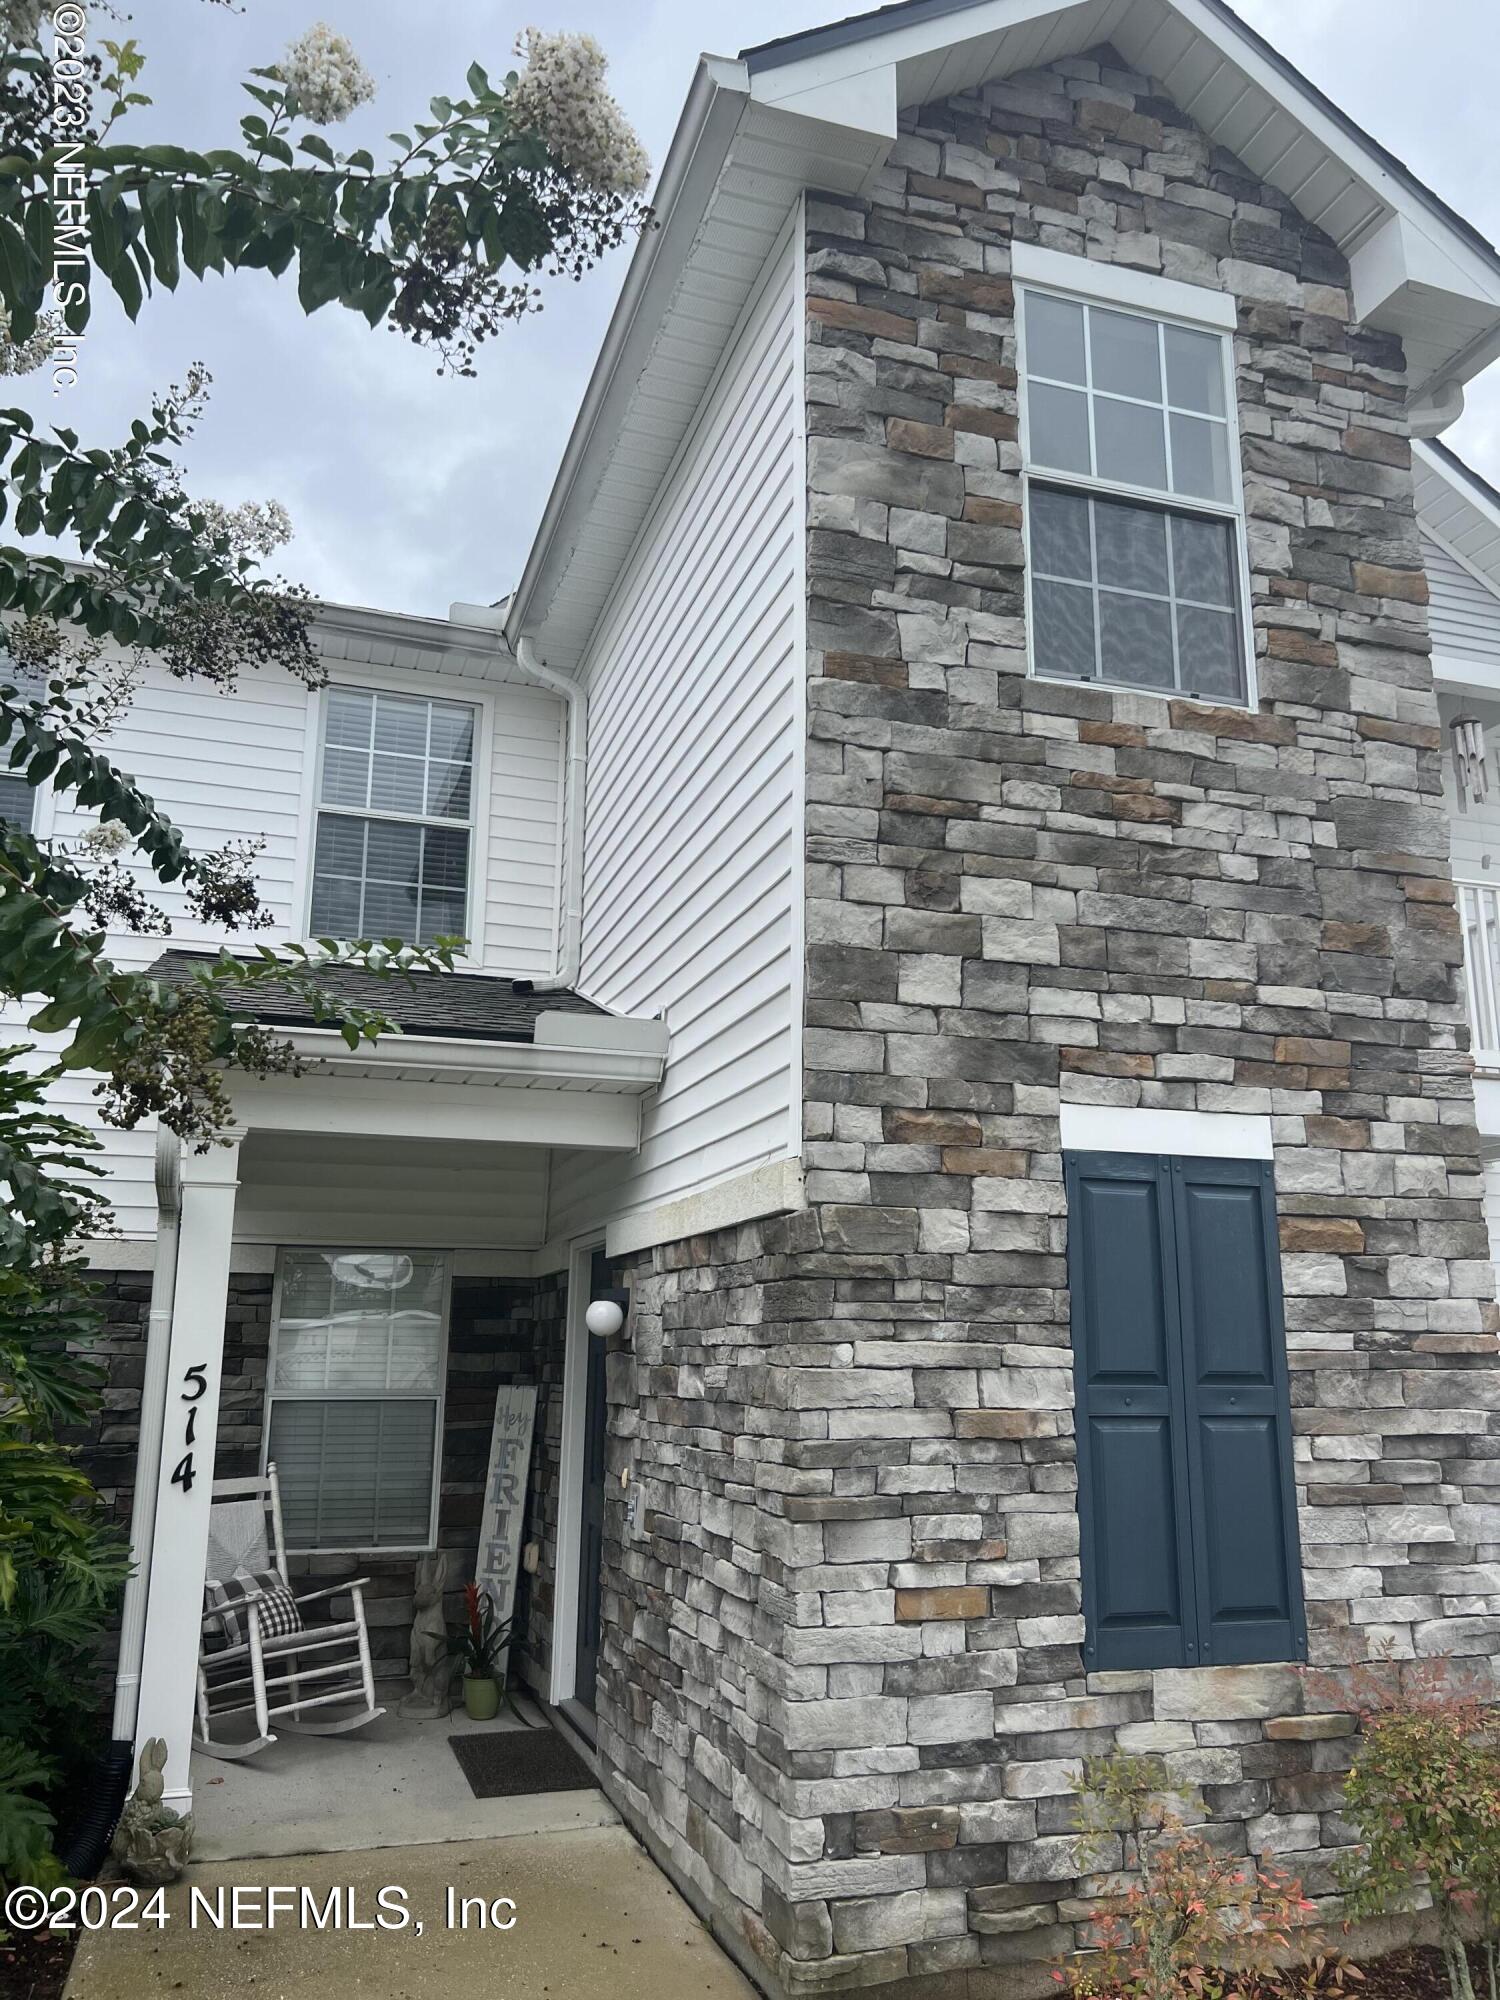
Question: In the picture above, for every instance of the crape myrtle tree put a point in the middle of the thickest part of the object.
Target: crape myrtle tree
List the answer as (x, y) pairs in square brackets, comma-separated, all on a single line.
[(442, 240)]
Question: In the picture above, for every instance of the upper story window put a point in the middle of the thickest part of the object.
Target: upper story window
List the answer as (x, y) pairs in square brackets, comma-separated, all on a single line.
[(17, 797), (17, 801), (1134, 521), (392, 856)]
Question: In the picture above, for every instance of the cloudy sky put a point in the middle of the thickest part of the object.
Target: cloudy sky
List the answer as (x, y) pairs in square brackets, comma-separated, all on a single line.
[(409, 491)]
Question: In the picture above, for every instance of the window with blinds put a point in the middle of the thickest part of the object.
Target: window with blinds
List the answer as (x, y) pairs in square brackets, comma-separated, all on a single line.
[(17, 797), (354, 1403), (392, 847)]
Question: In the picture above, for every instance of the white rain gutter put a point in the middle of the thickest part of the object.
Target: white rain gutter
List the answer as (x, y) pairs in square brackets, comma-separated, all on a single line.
[(153, 1425)]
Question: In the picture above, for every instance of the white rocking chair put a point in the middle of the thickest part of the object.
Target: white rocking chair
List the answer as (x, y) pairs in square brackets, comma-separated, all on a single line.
[(271, 1674)]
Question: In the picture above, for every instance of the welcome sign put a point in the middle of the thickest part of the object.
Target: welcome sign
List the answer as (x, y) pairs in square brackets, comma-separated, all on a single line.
[(505, 1501)]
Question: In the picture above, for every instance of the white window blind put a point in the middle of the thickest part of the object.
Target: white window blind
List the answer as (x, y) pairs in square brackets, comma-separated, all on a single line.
[(1133, 522), (355, 1397), (17, 797)]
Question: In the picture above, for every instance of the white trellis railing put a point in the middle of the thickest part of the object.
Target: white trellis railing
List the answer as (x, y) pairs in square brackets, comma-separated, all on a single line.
[(1479, 907)]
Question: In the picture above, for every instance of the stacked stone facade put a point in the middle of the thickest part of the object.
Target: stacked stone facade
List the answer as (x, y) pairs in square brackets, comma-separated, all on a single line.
[(843, 1692)]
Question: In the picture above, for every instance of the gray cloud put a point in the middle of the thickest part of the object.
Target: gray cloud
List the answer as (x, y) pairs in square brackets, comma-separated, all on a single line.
[(408, 490)]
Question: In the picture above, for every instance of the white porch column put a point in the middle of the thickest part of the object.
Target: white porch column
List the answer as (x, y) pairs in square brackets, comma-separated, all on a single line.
[(174, 1600)]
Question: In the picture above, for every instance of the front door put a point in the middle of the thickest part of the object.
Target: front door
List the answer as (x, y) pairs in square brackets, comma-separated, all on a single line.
[(591, 1539)]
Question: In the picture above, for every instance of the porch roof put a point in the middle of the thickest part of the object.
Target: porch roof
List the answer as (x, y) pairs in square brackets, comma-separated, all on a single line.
[(463, 1006)]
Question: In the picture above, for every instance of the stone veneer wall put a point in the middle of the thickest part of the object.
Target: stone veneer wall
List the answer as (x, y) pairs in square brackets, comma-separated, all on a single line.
[(843, 1695), (500, 1331), (1021, 892)]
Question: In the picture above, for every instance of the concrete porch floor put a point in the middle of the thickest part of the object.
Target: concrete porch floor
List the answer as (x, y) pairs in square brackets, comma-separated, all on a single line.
[(393, 1784), (595, 1920)]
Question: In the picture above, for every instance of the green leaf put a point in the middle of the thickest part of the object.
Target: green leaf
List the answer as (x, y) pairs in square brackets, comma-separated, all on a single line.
[(159, 205)]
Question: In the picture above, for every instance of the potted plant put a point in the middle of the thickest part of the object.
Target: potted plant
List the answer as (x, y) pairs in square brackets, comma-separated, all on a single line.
[(480, 1643)]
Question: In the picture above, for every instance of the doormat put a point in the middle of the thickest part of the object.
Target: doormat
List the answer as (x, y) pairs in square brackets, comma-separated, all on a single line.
[(505, 1763)]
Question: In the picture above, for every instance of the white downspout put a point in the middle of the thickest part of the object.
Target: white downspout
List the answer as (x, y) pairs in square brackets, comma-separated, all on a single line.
[(153, 1423), (575, 700), (570, 958)]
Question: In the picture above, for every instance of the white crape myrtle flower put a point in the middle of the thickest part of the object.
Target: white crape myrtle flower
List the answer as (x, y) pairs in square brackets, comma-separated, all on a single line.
[(325, 76), (21, 22), (31, 354), (560, 98), (106, 839), (254, 528)]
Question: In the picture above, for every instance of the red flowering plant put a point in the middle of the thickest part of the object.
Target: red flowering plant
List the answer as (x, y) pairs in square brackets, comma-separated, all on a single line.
[(1423, 1795), (1191, 1923), (481, 1641)]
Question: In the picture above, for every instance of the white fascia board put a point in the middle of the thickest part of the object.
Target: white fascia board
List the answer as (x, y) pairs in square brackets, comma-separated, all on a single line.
[(1117, 284), (1202, 1135), (895, 45), (1470, 680), (864, 102), (332, 1106), (621, 1068), (1487, 1107), (601, 1034)]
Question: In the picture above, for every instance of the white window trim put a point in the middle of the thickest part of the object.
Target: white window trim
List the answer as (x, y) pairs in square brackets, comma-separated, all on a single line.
[(1199, 1135), (1117, 289), (441, 1399), (1097, 283), (372, 680)]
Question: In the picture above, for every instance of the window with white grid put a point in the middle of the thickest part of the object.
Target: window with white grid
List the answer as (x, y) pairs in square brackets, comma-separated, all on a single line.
[(392, 850), (1135, 566), (354, 1403)]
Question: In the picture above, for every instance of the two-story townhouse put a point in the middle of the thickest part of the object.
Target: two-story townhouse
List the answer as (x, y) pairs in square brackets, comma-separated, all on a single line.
[(999, 741)]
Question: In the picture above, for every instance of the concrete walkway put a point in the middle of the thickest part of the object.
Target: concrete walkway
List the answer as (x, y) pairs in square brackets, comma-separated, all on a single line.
[(594, 1920), (394, 1784)]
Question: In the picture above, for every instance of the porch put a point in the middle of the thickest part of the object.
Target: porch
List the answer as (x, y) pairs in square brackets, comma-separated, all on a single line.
[(396, 1783), (345, 1289)]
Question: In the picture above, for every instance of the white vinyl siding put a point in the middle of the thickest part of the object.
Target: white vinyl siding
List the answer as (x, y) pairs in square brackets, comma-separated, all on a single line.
[(692, 880), (236, 767), (1464, 613)]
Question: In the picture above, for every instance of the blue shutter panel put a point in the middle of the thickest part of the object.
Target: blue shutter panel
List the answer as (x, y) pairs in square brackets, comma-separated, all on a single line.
[(1246, 1560), (1138, 1574)]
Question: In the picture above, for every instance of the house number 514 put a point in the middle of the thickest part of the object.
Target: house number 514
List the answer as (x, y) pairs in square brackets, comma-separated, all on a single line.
[(196, 1379)]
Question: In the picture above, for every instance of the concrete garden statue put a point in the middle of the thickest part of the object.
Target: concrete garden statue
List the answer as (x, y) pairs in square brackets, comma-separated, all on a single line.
[(431, 1662), (152, 1843), (481, 1643)]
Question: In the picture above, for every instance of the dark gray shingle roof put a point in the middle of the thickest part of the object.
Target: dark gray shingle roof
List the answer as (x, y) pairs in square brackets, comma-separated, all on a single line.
[(470, 1006)]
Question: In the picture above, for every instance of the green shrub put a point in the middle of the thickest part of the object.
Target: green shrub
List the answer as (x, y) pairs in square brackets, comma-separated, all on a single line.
[(1424, 1796), (1193, 1923)]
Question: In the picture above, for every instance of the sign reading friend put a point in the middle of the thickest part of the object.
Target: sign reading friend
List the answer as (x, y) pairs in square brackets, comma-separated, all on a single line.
[(505, 1497)]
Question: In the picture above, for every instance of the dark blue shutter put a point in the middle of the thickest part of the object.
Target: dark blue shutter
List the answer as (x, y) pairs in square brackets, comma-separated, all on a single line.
[(1186, 1500), (1247, 1569), (1132, 1461)]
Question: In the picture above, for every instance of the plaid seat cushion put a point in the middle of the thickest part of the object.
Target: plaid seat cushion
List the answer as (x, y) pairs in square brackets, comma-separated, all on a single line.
[(226, 1600)]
